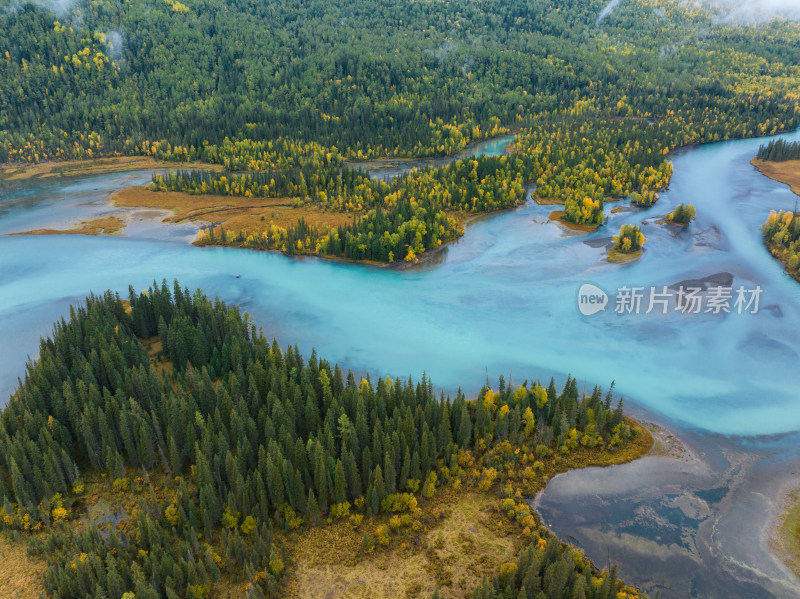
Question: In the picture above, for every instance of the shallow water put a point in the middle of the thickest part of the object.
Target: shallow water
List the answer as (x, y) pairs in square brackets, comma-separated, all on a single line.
[(695, 526), (504, 300)]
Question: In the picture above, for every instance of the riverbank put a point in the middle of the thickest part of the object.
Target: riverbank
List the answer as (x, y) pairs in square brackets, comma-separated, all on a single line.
[(782, 255), (616, 256), (73, 168), (557, 216), (233, 213), (102, 225), (787, 172), (215, 214), (784, 530)]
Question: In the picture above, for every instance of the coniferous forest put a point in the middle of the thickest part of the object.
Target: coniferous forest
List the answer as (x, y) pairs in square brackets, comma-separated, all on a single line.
[(229, 443), (779, 151)]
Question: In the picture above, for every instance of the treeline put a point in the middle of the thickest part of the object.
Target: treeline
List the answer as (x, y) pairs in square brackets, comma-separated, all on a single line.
[(549, 569), (779, 150), (248, 441)]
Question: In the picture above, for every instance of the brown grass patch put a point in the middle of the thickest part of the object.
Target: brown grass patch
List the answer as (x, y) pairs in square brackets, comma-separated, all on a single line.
[(618, 256), (470, 541), (547, 201), (103, 225), (787, 172), (19, 574), (558, 216), (235, 214), (64, 168)]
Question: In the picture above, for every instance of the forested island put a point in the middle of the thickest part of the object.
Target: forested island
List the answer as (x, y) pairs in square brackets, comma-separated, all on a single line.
[(162, 447), (277, 99)]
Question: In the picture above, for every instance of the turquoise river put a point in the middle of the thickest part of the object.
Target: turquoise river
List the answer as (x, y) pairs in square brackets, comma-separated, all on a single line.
[(504, 300)]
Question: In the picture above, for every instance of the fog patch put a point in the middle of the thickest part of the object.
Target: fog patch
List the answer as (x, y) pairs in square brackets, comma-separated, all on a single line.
[(609, 8), (751, 12), (115, 44)]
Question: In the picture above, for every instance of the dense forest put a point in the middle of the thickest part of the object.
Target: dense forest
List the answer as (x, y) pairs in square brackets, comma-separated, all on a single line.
[(230, 443), (281, 95), (782, 236)]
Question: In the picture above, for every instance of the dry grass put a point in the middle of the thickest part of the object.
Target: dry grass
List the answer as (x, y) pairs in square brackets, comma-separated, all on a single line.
[(235, 214), (787, 172), (558, 216), (547, 201), (618, 256), (45, 170), (19, 574), (470, 541), (103, 225)]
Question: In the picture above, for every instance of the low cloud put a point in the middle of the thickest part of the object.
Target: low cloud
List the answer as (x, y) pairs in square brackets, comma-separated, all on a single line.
[(752, 11), (609, 8), (115, 42)]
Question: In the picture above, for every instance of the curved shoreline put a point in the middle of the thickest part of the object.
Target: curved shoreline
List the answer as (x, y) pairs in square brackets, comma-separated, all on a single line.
[(106, 165)]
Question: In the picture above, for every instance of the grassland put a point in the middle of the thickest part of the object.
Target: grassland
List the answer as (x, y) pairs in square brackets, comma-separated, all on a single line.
[(254, 215), (46, 170), (18, 572), (787, 172)]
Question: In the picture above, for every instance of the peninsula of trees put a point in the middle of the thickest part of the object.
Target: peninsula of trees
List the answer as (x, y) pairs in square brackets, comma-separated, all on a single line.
[(213, 449)]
